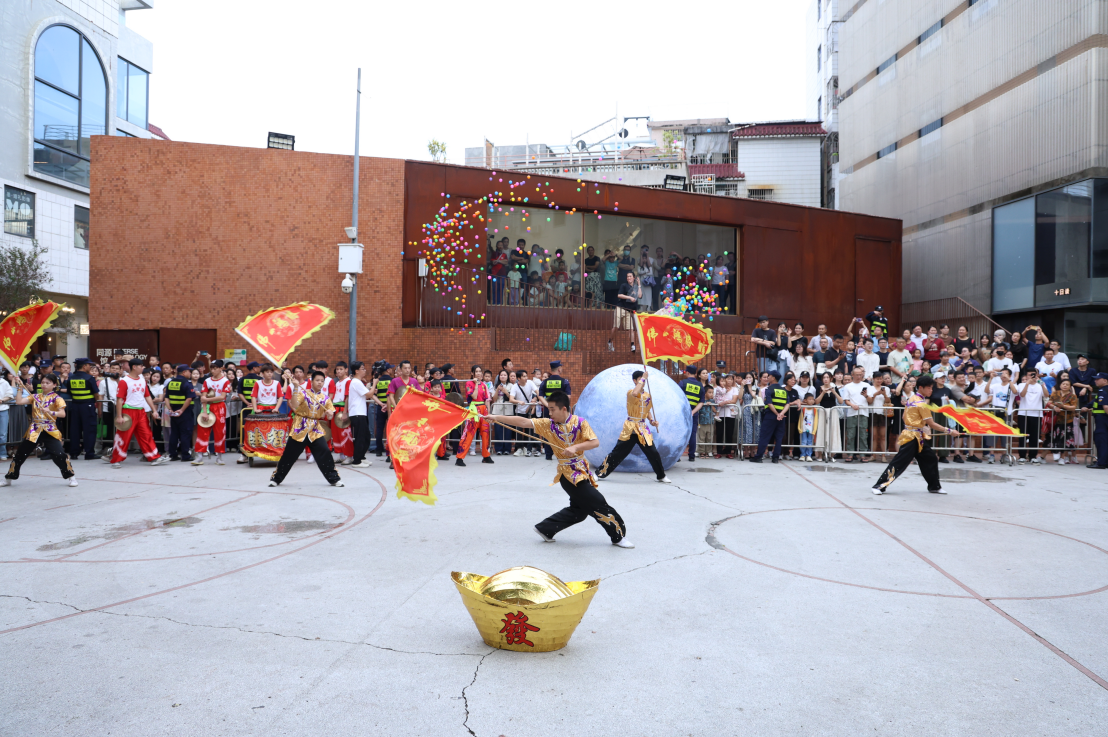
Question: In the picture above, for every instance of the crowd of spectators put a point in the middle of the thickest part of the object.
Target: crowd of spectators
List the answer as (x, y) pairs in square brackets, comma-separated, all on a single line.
[(530, 275)]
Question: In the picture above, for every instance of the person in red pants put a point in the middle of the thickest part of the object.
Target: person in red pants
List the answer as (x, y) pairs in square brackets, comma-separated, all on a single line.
[(477, 391), (133, 401), (435, 389), (212, 393)]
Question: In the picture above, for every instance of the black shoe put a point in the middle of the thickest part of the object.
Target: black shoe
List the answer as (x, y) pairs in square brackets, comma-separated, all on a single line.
[(92, 458), (775, 460), (755, 460), (487, 460), (959, 459), (944, 460), (171, 458), (692, 459), (459, 462), (378, 454), (973, 459)]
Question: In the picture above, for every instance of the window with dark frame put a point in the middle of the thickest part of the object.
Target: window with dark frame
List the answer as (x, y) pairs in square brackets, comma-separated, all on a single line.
[(80, 227), (886, 151), (132, 96), (759, 194), (819, 58), (71, 103), (930, 127), (931, 31), (886, 64), (19, 212)]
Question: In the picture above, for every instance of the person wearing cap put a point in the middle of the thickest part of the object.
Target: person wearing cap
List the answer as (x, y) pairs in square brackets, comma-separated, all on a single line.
[(877, 319), (1099, 408), (213, 392), (779, 398), (46, 409), (133, 400), (694, 393), (180, 395), (915, 441), (549, 386), (82, 423)]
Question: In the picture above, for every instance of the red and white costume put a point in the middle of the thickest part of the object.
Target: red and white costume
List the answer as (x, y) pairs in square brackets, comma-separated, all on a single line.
[(342, 441), (267, 396), (132, 394), (219, 409), (478, 393)]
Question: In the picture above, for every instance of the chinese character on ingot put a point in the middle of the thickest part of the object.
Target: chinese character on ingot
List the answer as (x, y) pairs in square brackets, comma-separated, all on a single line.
[(516, 628)]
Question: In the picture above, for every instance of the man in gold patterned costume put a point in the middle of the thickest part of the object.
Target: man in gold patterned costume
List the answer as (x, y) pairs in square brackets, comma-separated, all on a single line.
[(915, 441), (636, 432), (309, 407), (570, 436), (46, 409)]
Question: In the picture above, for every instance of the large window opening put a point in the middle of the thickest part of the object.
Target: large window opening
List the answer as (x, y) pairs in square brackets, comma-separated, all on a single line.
[(71, 104)]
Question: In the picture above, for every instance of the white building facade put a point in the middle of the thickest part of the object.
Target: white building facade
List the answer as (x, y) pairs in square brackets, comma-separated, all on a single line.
[(983, 125), (822, 64), (71, 70)]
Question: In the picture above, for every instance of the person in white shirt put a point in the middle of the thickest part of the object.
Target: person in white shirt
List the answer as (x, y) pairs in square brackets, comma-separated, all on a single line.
[(6, 398), (1030, 416), (900, 360), (358, 409), (856, 395), (869, 361), (523, 396), (879, 397), (998, 362), (1048, 370), (1059, 356), (918, 337), (979, 390), (800, 361)]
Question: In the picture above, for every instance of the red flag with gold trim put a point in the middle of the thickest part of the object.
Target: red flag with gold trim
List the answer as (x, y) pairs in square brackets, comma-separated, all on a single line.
[(21, 328), (415, 429), (975, 421), (671, 338), (277, 331)]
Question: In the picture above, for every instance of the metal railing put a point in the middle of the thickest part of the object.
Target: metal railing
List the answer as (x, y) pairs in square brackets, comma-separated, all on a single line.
[(953, 311)]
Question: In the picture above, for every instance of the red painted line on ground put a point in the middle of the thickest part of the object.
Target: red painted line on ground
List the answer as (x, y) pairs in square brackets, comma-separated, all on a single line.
[(9, 519), (1042, 640), (373, 511), (64, 505)]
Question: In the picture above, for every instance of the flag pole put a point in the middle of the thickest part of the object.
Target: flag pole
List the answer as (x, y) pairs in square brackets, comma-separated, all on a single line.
[(645, 371)]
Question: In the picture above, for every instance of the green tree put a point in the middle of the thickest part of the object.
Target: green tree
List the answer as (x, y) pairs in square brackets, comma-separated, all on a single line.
[(25, 273), (437, 149)]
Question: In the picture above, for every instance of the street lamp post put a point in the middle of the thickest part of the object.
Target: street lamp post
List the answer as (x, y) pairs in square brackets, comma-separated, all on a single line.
[(354, 238)]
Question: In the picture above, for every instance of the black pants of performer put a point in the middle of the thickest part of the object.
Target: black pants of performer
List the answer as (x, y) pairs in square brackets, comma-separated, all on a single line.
[(584, 501), (379, 430), (51, 444), (107, 419), (1031, 427), (320, 454), (620, 451), (180, 442), (913, 451), (725, 436), (772, 429), (359, 428), (82, 430)]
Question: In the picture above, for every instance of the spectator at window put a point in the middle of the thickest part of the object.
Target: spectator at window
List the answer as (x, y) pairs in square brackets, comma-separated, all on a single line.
[(646, 280), (626, 265), (536, 263), (519, 257), (719, 283), (733, 270), (514, 279), (594, 283), (611, 277)]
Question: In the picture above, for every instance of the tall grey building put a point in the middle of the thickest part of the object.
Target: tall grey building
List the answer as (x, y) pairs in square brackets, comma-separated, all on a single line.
[(983, 124), (822, 97), (69, 70)]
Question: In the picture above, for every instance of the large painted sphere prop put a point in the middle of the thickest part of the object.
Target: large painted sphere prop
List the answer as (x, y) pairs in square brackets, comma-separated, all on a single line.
[(604, 405)]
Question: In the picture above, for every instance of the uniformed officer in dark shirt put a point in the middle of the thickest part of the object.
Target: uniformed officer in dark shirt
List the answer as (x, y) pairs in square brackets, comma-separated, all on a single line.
[(877, 319), (82, 411), (1100, 417), (181, 396), (694, 392), (245, 385), (555, 383), (774, 418), (380, 390)]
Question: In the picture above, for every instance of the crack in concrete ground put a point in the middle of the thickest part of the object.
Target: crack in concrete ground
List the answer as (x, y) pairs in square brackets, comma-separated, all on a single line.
[(246, 631), (713, 501), (465, 699), (663, 560)]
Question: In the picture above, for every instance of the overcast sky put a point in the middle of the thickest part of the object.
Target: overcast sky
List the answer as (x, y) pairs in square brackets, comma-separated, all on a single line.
[(229, 72)]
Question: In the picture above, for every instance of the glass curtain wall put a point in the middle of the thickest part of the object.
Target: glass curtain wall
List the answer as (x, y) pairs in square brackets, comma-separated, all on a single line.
[(537, 260)]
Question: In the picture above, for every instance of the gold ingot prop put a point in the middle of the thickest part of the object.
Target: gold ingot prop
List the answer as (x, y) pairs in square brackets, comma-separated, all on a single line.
[(524, 609)]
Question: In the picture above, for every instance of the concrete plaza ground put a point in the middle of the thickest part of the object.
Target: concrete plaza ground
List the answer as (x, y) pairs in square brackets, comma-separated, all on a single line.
[(761, 600)]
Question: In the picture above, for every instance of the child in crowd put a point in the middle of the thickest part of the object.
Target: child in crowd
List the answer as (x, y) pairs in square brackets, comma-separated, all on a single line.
[(809, 421), (513, 286)]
